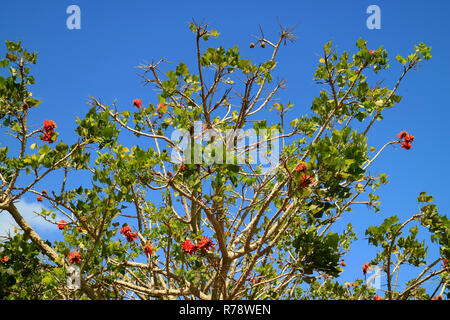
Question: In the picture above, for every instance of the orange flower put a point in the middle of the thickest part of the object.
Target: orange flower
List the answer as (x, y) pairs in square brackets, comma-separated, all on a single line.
[(409, 138), (305, 181), (49, 125), (148, 249), (402, 134), (44, 192), (62, 225), (49, 128), (137, 103), (301, 167), (125, 230), (406, 145), (205, 244), (342, 263), (377, 297), (131, 236), (39, 198), (365, 267), (74, 257), (4, 259), (189, 247), (161, 109)]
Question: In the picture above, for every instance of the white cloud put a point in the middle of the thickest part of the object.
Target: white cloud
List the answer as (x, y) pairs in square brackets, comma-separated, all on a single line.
[(27, 209)]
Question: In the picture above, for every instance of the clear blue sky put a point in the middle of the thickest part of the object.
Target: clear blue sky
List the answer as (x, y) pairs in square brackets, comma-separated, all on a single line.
[(116, 36)]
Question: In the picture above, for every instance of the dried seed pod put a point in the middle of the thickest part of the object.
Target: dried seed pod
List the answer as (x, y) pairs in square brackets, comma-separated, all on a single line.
[(263, 44), (252, 45)]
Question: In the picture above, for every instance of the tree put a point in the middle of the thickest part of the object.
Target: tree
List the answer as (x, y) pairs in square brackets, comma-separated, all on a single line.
[(176, 205)]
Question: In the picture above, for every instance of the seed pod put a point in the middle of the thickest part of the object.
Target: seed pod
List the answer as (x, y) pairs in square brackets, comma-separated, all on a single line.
[(263, 44), (252, 45)]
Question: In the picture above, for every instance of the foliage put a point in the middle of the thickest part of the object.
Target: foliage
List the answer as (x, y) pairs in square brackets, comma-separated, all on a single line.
[(216, 229)]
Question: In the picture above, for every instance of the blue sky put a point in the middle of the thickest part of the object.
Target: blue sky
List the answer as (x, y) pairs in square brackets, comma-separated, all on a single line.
[(115, 37)]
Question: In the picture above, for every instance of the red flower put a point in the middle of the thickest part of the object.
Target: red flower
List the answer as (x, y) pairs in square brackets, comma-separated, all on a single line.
[(74, 257), (409, 138), (47, 137), (301, 167), (44, 192), (148, 249), (372, 52), (445, 263), (365, 267), (406, 145), (342, 263), (439, 297), (125, 230), (189, 247), (161, 109), (39, 198), (62, 225), (137, 103), (49, 125), (131, 236), (377, 297), (5, 259), (305, 181), (402, 134), (205, 244), (182, 167)]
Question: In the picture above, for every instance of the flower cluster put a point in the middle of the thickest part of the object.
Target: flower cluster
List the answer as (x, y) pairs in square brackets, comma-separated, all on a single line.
[(407, 139), (74, 257), (62, 224), (305, 181), (301, 167), (161, 109), (4, 259), (439, 297), (204, 244), (342, 263), (126, 231), (377, 297), (365, 268), (148, 249), (137, 103), (189, 247), (49, 130)]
